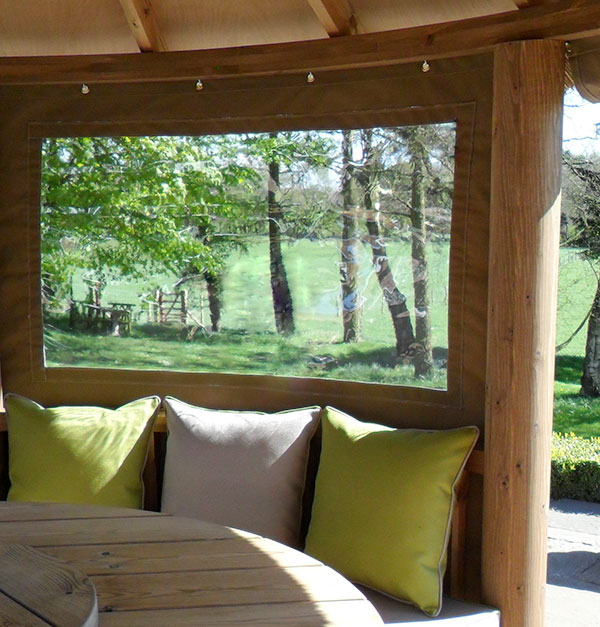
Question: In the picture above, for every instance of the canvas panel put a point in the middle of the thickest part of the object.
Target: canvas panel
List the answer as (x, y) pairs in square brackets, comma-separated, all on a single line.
[(399, 94), (584, 67)]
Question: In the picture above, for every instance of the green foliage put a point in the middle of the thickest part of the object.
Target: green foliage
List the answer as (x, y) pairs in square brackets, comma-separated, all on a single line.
[(575, 470), (581, 208), (385, 164), (574, 412), (575, 457), (130, 205)]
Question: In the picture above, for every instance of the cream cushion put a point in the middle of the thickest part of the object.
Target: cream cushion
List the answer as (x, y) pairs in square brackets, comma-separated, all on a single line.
[(241, 469)]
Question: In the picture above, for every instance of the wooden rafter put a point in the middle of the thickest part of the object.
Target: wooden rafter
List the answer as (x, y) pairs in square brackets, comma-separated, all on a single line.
[(563, 20), (141, 20), (336, 16)]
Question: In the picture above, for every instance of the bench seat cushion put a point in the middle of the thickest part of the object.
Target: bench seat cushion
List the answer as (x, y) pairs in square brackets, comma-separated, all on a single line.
[(454, 613)]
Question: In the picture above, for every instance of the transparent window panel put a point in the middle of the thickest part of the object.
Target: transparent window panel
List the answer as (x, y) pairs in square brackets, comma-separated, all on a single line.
[(304, 253)]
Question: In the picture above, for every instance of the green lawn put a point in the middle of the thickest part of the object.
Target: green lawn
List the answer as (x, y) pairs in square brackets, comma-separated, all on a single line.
[(576, 288), (234, 352), (249, 343), (577, 285), (572, 412)]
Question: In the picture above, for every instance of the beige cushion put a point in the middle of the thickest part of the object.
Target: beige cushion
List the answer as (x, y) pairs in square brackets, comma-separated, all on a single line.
[(241, 469)]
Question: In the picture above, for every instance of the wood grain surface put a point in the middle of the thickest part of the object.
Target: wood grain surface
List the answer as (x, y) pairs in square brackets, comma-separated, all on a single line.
[(39, 589), (561, 20), (155, 569), (524, 247)]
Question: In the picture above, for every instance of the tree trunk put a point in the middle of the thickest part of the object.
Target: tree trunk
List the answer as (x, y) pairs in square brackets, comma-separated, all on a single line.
[(590, 381), (351, 299), (282, 297), (423, 359), (395, 300), (214, 288)]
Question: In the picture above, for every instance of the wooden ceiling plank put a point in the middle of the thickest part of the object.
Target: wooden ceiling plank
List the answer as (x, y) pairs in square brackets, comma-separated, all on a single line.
[(564, 20), (522, 4), (142, 22), (336, 16)]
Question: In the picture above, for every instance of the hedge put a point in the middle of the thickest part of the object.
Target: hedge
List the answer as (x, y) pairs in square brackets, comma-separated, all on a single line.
[(575, 468)]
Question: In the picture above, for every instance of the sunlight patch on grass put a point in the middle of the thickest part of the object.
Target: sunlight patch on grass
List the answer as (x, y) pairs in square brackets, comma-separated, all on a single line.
[(237, 352)]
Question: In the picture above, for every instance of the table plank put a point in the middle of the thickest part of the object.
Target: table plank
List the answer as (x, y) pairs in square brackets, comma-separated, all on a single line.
[(153, 569), (47, 587), (149, 557), (14, 615), (15, 511), (222, 587), (65, 532), (305, 614)]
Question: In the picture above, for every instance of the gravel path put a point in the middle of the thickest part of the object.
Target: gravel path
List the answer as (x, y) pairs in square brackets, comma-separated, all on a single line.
[(573, 593)]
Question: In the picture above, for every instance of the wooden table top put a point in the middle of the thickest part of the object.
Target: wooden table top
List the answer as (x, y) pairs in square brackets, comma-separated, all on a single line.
[(155, 569), (37, 590)]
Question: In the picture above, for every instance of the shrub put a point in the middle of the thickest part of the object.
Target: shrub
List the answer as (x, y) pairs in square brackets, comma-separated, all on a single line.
[(575, 468)]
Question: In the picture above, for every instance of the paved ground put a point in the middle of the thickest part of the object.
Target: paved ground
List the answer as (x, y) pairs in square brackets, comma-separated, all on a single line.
[(573, 597)]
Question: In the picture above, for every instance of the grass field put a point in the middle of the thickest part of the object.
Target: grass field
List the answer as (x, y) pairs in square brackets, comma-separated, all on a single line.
[(572, 412), (577, 285), (249, 343), (576, 288), (313, 273)]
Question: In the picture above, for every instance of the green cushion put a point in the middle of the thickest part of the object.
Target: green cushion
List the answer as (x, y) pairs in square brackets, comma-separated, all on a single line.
[(78, 454), (383, 505)]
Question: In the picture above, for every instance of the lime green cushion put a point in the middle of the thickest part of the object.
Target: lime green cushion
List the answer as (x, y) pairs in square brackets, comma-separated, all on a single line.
[(383, 505), (78, 454)]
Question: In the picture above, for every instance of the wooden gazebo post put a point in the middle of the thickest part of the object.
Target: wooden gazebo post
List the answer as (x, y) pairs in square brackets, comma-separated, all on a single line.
[(524, 248)]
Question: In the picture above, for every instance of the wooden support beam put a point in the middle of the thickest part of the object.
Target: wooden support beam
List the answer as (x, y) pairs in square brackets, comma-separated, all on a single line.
[(564, 20), (524, 248), (336, 16), (142, 23)]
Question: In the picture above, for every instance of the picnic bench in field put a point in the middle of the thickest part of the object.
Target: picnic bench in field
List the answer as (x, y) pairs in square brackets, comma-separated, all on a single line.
[(114, 319)]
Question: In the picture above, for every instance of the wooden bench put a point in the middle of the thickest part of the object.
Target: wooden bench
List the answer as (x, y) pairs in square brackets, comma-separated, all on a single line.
[(115, 319), (461, 575)]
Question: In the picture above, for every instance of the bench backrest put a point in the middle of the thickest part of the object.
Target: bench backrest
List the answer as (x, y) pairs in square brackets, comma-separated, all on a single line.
[(463, 573)]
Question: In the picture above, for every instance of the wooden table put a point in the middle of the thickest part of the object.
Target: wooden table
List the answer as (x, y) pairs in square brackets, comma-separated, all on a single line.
[(37, 590), (154, 569)]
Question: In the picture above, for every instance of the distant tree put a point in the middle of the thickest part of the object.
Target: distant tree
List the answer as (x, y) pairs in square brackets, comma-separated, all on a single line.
[(430, 152), (129, 204), (581, 228), (421, 171), (406, 177), (283, 307), (285, 154), (416, 138), (367, 176), (351, 298)]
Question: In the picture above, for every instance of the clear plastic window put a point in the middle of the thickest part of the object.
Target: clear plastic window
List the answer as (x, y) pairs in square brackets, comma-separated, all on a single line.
[(304, 253)]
